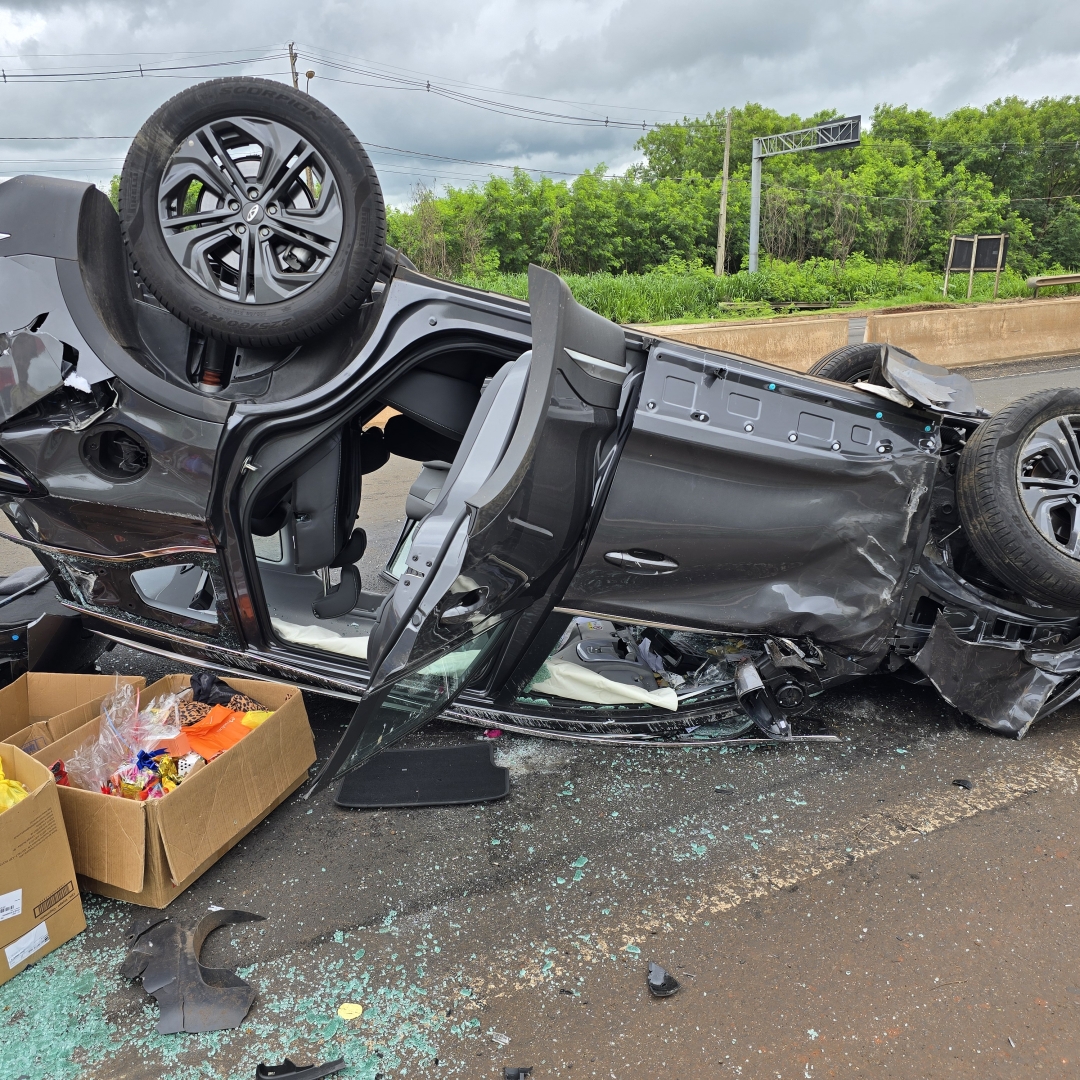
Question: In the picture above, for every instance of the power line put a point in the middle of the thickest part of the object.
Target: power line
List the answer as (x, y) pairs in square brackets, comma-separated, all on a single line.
[(323, 53), (319, 54), (140, 71), (390, 82), (385, 80), (469, 161), (177, 53), (56, 161)]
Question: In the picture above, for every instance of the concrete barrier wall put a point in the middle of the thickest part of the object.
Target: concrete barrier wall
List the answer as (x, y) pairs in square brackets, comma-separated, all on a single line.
[(794, 343), (984, 333), (956, 336)]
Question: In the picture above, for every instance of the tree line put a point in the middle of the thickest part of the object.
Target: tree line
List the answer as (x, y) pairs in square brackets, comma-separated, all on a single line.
[(1012, 166)]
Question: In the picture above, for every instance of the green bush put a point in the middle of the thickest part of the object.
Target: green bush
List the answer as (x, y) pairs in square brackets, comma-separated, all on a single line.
[(677, 291)]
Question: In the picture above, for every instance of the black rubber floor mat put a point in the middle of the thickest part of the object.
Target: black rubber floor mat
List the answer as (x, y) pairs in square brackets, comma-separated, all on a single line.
[(440, 776)]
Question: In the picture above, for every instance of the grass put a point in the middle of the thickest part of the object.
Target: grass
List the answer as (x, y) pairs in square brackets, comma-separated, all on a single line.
[(678, 294)]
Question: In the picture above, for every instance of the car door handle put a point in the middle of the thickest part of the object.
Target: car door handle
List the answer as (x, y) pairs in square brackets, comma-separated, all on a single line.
[(639, 561), (473, 601)]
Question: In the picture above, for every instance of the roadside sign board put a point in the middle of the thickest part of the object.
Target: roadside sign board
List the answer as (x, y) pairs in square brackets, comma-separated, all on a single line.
[(976, 255)]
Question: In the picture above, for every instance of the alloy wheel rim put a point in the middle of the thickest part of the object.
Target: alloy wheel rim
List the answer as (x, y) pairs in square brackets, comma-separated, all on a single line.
[(1048, 479), (250, 210), (861, 376)]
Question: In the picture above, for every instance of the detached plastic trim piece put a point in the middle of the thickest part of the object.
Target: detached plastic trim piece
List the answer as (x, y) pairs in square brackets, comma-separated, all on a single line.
[(289, 1070)]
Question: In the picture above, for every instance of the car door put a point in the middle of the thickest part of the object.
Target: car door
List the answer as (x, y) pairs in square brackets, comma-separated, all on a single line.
[(751, 499), (511, 514)]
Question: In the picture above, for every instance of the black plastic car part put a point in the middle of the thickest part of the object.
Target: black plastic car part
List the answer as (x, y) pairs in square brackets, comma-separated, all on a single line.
[(426, 776), (289, 1070), (165, 955), (661, 982)]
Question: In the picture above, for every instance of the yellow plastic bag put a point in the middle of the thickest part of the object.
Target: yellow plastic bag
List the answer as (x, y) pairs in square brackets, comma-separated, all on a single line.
[(11, 791), (254, 718)]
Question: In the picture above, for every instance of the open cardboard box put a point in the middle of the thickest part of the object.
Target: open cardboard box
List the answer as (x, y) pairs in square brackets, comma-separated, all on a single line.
[(40, 907), (149, 852), (41, 706)]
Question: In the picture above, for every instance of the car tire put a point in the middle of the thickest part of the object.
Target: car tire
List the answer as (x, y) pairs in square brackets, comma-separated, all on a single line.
[(1018, 491), (191, 187), (851, 364)]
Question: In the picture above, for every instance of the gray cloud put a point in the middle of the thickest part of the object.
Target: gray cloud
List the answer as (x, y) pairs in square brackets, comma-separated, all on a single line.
[(630, 59)]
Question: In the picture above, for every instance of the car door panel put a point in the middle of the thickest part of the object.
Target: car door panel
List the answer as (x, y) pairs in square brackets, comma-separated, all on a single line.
[(787, 504), (510, 516)]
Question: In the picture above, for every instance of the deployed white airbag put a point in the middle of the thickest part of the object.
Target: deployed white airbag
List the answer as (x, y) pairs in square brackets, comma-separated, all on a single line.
[(318, 637), (560, 678)]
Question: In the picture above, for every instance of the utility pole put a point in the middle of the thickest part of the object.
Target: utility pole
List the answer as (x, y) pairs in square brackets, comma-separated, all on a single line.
[(721, 231), (309, 75), (296, 86), (292, 66)]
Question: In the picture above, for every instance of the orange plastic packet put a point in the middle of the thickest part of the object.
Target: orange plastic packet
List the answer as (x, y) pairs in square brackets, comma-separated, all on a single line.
[(215, 732)]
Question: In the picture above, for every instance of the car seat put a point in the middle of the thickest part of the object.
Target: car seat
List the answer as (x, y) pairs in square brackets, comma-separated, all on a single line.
[(321, 493)]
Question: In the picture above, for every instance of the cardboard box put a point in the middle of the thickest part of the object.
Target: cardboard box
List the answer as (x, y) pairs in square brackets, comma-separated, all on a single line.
[(150, 852), (40, 706), (40, 907)]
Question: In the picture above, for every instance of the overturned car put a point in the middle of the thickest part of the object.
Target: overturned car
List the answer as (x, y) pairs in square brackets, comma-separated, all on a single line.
[(604, 535)]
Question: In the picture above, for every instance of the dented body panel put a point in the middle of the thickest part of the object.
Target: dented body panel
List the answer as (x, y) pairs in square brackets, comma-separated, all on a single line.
[(771, 494)]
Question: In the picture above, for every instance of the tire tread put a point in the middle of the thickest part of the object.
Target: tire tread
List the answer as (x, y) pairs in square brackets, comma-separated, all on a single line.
[(841, 364)]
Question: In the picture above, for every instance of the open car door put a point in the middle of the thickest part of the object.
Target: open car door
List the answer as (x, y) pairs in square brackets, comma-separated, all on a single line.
[(512, 512)]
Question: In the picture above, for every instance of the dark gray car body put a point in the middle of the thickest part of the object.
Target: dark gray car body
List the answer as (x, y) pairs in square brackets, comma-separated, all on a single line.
[(699, 491)]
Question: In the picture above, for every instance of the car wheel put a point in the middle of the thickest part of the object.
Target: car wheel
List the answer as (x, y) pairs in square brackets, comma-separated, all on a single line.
[(251, 212), (851, 364), (1018, 490)]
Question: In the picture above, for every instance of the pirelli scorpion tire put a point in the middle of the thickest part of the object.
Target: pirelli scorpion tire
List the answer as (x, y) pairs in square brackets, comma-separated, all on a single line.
[(1018, 490), (251, 212), (851, 364)]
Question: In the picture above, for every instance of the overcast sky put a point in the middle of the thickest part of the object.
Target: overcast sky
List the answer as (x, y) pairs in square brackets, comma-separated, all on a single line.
[(633, 61)]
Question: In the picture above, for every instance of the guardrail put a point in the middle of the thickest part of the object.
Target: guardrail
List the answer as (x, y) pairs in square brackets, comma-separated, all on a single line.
[(1047, 280)]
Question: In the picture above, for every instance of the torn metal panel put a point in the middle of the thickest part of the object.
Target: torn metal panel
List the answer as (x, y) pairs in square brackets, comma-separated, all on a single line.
[(31, 368), (54, 444), (1065, 661), (29, 286), (998, 686), (935, 387)]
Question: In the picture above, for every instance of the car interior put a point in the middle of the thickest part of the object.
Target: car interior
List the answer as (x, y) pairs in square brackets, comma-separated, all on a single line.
[(311, 527)]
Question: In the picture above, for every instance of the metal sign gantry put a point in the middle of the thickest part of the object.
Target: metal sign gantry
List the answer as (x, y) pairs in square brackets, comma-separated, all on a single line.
[(831, 135)]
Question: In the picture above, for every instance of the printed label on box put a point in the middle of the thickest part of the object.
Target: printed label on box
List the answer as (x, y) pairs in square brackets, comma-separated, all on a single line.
[(27, 945), (10, 904), (53, 901)]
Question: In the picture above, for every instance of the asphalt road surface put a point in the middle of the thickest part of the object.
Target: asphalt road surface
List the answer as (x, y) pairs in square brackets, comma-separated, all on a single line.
[(998, 384), (829, 909)]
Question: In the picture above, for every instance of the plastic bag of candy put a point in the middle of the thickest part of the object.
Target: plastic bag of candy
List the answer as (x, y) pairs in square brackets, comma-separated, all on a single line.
[(124, 733), (149, 775)]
